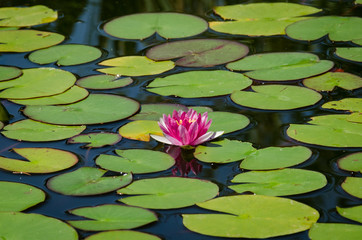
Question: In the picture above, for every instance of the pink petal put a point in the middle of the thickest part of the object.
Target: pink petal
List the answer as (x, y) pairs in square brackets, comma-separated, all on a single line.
[(207, 137), (184, 135)]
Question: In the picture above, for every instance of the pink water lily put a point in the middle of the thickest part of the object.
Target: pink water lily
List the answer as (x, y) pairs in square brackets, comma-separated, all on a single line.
[(185, 129)]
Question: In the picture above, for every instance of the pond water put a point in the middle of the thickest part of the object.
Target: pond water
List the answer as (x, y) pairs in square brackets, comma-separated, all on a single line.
[(82, 21)]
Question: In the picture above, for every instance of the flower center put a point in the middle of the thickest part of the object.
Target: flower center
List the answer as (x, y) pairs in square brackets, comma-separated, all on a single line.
[(188, 120)]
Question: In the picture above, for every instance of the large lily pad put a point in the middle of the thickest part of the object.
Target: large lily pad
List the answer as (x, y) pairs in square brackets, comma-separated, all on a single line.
[(245, 216), (135, 66), (7, 73), (87, 181), (96, 108), (348, 104), (227, 121), (96, 139), (103, 82), (335, 231), (168, 192), (140, 130), (281, 66), (276, 97), (33, 131), (329, 130), (124, 234), (199, 52), (167, 25), (155, 111), (330, 80), (352, 54), (27, 40), (136, 161), (353, 213), (18, 196), (199, 84), (353, 186), (351, 162)]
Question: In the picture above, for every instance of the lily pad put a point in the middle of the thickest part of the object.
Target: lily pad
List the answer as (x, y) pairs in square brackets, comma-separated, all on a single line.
[(140, 130), (276, 97), (155, 111), (18, 196), (282, 182), (328, 130), (125, 234), (227, 121), (96, 108), (353, 213), (330, 80), (135, 66), (112, 217), (260, 19), (168, 192), (103, 82), (281, 66), (348, 104), (87, 181), (26, 16), (37, 82), (96, 140), (136, 161), (144, 25), (7, 73), (66, 55), (351, 162), (335, 231), (27, 40), (337, 28), (20, 226), (4, 115), (199, 52), (245, 216), (352, 54), (195, 84), (276, 158), (33, 131), (353, 186)]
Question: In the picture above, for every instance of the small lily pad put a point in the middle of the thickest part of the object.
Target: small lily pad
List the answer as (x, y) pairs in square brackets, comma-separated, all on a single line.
[(351, 162), (227, 121), (124, 234), (347, 104), (353, 213), (103, 82), (353, 186), (7, 73), (96, 140), (335, 231), (352, 54), (330, 80), (18, 196), (168, 192), (140, 130), (155, 111)]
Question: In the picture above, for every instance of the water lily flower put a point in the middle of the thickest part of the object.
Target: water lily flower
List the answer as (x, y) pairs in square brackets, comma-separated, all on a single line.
[(185, 128)]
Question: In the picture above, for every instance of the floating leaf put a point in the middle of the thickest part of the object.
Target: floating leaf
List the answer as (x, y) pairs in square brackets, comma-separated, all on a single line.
[(351, 162), (96, 140), (140, 130), (103, 82), (4, 115), (33, 131), (168, 192), (96, 108), (136, 161), (348, 104), (281, 66), (112, 217), (330, 80), (125, 234), (21, 226), (227, 121), (199, 52), (167, 25), (135, 66), (26, 16), (27, 40), (354, 213), (246, 217), (353, 186), (335, 231), (87, 181), (18, 196), (329, 130), (276, 97), (66, 55), (352, 54), (199, 84), (155, 111), (7, 73)]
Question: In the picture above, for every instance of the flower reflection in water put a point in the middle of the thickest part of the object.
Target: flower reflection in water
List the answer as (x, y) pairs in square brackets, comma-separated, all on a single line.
[(182, 166)]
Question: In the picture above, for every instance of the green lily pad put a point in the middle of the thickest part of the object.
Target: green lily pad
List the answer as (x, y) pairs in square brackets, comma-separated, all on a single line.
[(144, 25), (66, 55), (276, 158), (140, 130), (335, 231), (18, 196), (281, 66), (168, 192), (155, 111), (1, 125), (87, 181), (135, 66), (203, 109), (112, 217), (353, 186), (282, 182), (4, 115), (351, 162), (125, 234), (103, 82), (195, 84), (73, 94), (348, 104), (227, 121), (352, 54), (136, 161), (96, 108), (337, 28), (224, 151), (260, 19), (245, 216), (96, 140), (7, 73), (353, 213), (276, 97), (329, 130), (37, 82), (26, 16), (330, 80), (199, 52), (20, 226), (27, 40), (33, 131)]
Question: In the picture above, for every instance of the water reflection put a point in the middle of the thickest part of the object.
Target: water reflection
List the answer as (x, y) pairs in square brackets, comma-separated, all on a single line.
[(185, 163)]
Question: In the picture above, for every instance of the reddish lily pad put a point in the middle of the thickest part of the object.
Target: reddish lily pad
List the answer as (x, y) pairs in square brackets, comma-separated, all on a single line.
[(96, 140), (103, 82), (351, 162), (353, 186), (7, 73), (330, 80)]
